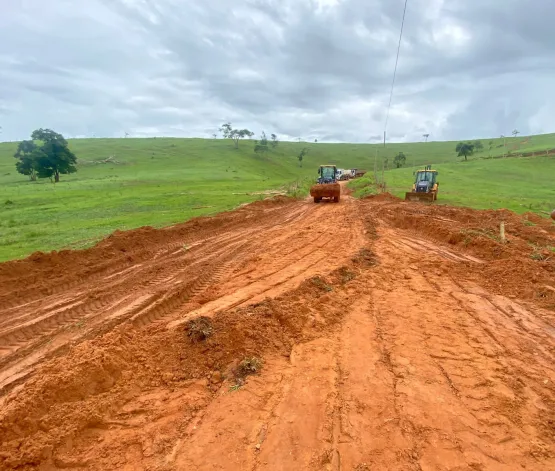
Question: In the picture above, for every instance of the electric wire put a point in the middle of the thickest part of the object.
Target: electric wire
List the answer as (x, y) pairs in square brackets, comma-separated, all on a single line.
[(394, 72)]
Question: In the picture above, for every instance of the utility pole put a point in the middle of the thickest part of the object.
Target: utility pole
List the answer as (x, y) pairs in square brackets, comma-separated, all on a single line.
[(383, 177), (376, 167), (503, 144)]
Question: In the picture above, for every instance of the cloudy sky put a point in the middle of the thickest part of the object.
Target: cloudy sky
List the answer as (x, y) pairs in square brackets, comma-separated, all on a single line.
[(299, 68)]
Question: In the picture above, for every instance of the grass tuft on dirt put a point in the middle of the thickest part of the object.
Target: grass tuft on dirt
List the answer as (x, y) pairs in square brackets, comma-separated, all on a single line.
[(248, 366), (365, 258), (346, 275), (321, 284), (199, 329)]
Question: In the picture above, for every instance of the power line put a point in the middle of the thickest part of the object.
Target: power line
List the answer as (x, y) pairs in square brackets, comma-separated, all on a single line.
[(394, 72)]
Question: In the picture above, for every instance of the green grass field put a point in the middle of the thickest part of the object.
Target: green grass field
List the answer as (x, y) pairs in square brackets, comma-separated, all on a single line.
[(163, 181), (519, 184)]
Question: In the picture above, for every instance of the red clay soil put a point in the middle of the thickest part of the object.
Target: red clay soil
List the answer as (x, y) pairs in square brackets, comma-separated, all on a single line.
[(286, 335)]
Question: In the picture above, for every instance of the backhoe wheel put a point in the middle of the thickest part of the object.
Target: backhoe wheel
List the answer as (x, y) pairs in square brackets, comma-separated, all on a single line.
[(336, 199), (316, 199)]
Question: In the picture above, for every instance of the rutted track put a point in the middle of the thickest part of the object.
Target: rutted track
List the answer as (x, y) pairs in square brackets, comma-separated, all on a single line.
[(394, 336), (169, 279)]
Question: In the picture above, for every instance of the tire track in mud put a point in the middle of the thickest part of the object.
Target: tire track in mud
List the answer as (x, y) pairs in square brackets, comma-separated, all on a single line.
[(178, 275), (83, 276), (463, 364), (82, 308), (283, 275), (157, 305)]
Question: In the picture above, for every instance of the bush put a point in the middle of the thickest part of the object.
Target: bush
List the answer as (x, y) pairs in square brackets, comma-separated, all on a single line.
[(199, 329)]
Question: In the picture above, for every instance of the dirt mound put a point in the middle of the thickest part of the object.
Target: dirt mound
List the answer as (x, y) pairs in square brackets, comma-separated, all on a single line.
[(383, 197), (523, 265), (87, 386)]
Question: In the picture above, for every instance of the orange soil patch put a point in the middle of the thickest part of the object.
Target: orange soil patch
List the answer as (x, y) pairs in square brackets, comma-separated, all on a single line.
[(364, 335)]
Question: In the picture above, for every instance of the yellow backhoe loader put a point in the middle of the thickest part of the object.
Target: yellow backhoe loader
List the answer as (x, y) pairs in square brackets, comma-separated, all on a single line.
[(425, 186)]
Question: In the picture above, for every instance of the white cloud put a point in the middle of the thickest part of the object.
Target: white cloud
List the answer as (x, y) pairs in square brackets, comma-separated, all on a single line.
[(310, 68)]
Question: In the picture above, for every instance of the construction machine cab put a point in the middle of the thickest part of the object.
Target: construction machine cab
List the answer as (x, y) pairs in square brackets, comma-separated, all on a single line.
[(327, 174), (425, 180)]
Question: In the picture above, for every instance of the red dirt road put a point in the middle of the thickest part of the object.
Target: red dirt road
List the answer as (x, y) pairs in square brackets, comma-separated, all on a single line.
[(392, 336)]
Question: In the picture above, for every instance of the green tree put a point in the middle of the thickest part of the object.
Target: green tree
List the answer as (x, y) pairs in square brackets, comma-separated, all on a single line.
[(26, 164), (303, 152), (478, 146), (47, 156), (235, 134), (464, 149), (399, 160), (53, 156), (261, 147), (274, 140)]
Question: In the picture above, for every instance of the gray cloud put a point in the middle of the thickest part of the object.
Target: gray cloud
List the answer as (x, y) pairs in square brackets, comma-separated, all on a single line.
[(311, 68)]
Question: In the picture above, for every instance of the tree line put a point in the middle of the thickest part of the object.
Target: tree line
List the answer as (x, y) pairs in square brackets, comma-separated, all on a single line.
[(261, 146), (463, 149)]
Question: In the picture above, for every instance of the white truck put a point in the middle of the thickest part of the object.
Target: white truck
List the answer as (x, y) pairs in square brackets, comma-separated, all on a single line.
[(344, 174)]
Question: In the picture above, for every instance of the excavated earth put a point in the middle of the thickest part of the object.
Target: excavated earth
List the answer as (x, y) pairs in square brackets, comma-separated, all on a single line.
[(366, 335)]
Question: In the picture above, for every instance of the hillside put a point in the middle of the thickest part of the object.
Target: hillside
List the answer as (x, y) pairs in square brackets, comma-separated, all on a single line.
[(519, 184), (161, 181)]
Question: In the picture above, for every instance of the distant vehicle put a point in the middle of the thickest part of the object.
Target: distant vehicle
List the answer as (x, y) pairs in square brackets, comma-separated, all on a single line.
[(357, 172), (343, 174)]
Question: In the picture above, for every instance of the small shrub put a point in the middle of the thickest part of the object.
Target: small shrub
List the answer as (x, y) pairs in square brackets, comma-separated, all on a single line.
[(540, 253), (199, 329), (248, 366), (470, 234), (538, 256), (321, 284), (365, 258), (346, 275)]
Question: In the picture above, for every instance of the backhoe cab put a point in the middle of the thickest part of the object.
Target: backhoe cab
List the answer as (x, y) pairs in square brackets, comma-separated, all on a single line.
[(327, 185), (425, 187), (327, 174)]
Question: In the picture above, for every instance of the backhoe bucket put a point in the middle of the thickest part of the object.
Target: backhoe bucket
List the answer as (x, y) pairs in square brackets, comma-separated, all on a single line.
[(326, 190), (419, 196)]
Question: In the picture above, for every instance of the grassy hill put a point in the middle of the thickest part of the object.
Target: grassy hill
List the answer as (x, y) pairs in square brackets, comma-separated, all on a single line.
[(161, 181), (519, 184)]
